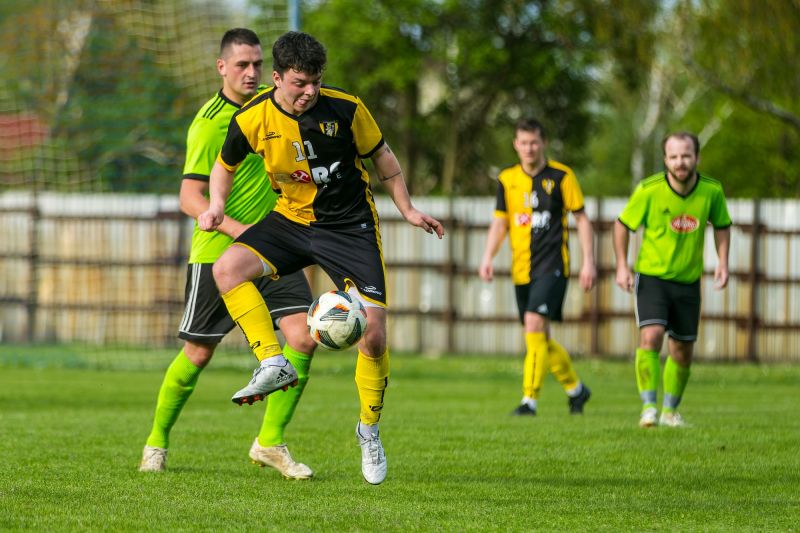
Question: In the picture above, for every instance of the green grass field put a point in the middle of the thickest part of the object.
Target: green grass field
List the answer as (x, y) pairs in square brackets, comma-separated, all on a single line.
[(71, 438)]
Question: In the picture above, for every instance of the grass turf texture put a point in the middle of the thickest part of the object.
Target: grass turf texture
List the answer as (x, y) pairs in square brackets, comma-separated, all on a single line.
[(71, 440)]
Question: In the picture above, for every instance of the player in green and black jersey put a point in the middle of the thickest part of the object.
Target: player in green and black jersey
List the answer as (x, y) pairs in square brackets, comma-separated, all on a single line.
[(313, 141), (674, 207), (534, 199), (206, 320)]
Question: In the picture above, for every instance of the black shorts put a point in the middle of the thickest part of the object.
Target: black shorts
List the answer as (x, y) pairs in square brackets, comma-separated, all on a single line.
[(205, 317), (351, 256), (544, 295), (676, 306)]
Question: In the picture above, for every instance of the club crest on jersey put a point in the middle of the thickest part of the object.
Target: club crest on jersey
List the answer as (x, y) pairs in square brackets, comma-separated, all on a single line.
[(548, 185), (329, 128), (301, 176), (684, 224)]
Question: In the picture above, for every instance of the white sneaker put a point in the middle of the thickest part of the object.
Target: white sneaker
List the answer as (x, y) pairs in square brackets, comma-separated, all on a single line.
[(672, 419), (153, 459), (274, 373), (649, 418), (279, 458), (373, 460)]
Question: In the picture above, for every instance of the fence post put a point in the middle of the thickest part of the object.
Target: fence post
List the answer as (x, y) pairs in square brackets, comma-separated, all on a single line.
[(32, 298), (594, 312), (452, 271), (752, 318)]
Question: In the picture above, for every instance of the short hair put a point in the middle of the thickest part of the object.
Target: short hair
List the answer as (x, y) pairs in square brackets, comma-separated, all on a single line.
[(298, 51), (532, 125), (681, 135), (238, 36)]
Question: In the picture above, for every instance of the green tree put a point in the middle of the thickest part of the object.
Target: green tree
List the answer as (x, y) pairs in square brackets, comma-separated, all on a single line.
[(447, 79)]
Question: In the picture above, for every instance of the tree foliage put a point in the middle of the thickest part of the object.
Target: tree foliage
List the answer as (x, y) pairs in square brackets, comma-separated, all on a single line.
[(447, 79), (111, 85)]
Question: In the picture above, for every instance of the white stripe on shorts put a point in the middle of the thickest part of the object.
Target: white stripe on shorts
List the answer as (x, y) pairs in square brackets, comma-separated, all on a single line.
[(191, 301)]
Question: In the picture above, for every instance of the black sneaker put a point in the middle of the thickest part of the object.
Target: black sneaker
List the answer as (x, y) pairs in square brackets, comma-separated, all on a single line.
[(524, 409), (576, 403)]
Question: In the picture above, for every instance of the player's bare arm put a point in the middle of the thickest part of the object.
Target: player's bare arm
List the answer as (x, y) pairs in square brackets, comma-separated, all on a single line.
[(391, 175), (194, 202), (220, 183), (624, 277), (588, 273), (722, 242), (498, 229)]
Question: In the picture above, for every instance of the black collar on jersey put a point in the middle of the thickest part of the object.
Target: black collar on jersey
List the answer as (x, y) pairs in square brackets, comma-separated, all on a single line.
[(228, 100), (534, 176), (696, 183), (290, 115)]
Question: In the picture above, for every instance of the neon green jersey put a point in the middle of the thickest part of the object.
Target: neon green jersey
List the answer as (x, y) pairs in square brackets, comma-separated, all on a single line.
[(251, 196), (674, 225)]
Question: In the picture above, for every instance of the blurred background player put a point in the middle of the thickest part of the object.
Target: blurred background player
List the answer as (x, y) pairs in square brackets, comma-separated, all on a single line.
[(206, 320), (533, 199), (674, 207), (313, 140)]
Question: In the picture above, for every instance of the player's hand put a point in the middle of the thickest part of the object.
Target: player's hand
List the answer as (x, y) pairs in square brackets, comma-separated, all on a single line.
[(587, 276), (486, 270), (721, 277), (426, 222), (210, 220), (624, 278)]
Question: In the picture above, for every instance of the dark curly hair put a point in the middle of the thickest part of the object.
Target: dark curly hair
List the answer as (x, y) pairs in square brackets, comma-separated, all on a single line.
[(298, 51)]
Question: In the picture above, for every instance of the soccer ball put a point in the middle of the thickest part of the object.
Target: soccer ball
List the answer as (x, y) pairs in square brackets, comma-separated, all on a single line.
[(336, 320)]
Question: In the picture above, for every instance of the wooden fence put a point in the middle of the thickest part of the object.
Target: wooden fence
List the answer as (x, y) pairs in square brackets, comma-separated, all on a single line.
[(110, 269)]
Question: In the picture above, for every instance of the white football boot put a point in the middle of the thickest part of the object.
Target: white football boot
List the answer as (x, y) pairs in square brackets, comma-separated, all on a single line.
[(153, 459), (672, 419), (373, 460), (273, 374), (649, 418), (279, 458)]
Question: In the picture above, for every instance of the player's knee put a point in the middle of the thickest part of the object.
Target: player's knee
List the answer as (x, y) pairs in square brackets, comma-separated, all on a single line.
[(300, 340), (199, 354), (651, 338), (374, 341)]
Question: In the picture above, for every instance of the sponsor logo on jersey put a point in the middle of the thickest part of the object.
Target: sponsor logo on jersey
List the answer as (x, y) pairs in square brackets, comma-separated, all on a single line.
[(329, 128), (541, 220), (548, 185), (301, 176), (271, 135), (522, 219), (684, 224)]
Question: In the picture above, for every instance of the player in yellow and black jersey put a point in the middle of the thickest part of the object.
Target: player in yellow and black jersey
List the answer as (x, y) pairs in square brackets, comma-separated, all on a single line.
[(533, 200), (313, 141)]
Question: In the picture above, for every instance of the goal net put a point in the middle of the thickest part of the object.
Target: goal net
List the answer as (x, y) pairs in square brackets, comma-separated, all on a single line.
[(95, 100)]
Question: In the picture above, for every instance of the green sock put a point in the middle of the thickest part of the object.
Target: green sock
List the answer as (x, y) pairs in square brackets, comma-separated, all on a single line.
[(178, 384), (648, 367), (675, 379), (281, 404)]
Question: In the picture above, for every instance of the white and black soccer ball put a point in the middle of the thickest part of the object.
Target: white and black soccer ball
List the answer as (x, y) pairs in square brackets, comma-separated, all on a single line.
[(336, 320)]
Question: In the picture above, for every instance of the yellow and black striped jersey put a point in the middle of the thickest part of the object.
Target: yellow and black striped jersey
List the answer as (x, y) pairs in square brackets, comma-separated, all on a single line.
[(535, 208), (314, 160)]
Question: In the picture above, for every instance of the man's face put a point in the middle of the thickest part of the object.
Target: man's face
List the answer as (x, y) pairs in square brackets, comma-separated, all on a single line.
[(297, 91), (680, 159), (530, 147), (240, 68)]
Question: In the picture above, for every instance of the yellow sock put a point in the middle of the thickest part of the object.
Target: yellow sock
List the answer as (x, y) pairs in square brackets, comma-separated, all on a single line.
[(247, 308), (561, 365), (372, 377), (535, 367)]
